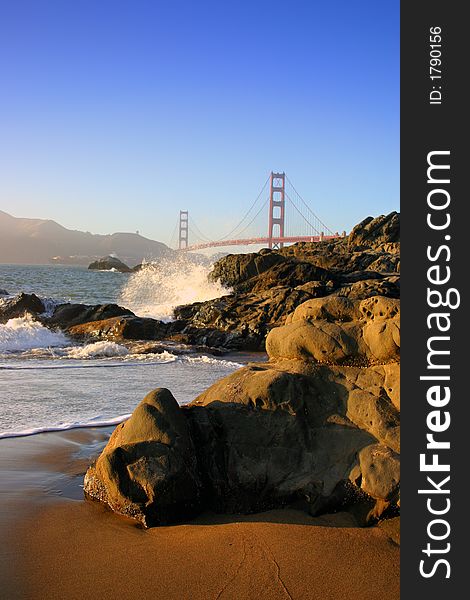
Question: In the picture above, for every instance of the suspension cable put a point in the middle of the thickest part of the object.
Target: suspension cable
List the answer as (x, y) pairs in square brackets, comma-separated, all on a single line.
[(303, 216), (173, 235), (247, 213), (254, 218), (308, 207), (199, 234)]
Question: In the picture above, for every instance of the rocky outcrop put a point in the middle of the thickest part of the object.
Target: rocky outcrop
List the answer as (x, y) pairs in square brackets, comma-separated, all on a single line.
[(264, 270), (317, 427), (270, 284), (62, 316), (3, 292), (239, 321), (109, 263), (376, 233), (366, 288), (20, 305), (372, 245)]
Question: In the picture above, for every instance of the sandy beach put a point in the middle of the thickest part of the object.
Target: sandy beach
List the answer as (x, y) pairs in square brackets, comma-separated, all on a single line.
[(55, 545)]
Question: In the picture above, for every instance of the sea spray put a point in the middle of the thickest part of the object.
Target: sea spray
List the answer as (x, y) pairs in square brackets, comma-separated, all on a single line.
[(24, 333), (157, 288)]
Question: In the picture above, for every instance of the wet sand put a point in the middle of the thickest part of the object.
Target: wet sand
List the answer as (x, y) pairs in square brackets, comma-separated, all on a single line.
[(55, 545)]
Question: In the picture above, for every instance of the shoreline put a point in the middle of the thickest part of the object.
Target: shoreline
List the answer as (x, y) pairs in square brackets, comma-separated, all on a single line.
[(57, 545), (44, 375), (111, 422)]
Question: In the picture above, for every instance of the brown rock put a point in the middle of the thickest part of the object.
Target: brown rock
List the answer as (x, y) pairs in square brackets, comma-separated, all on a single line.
[(121, 328), (338, 330), (148, 469), (380, 471)]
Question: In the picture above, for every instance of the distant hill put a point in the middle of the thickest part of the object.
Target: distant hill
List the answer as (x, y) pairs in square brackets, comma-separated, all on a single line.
[(40, 241)]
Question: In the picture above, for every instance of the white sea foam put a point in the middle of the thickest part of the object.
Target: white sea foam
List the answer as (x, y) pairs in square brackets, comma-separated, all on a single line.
[(112, 270), (154, 357), (157, 288), (209, 360), (24, 333), (95, 422), (105, 349), (97, 350)]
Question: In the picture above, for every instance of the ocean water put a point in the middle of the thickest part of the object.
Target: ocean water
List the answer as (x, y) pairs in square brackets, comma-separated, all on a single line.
[(49, 382)]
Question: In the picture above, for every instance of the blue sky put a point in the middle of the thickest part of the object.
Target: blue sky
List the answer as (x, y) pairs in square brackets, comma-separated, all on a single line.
[(116, 114)]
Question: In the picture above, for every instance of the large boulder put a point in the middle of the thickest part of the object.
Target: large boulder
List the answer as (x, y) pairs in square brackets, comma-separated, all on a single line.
[(233, 269), (109, 263), (276, 434), (258, 272), (267, 436), (148, 469)]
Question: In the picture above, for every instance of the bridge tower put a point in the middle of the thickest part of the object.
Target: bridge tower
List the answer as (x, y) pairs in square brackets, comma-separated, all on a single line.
[(183, 230), (276, 209)]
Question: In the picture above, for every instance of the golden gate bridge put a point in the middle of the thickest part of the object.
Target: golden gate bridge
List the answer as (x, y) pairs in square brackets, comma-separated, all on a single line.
[(290, 220)]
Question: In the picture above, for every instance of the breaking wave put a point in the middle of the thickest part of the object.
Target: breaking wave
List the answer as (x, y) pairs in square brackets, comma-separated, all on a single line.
[(24, 333), (97, 350), (157, 288)]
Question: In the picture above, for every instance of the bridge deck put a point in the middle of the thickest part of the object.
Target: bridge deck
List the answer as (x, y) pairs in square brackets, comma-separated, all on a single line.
[(261, 241)]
